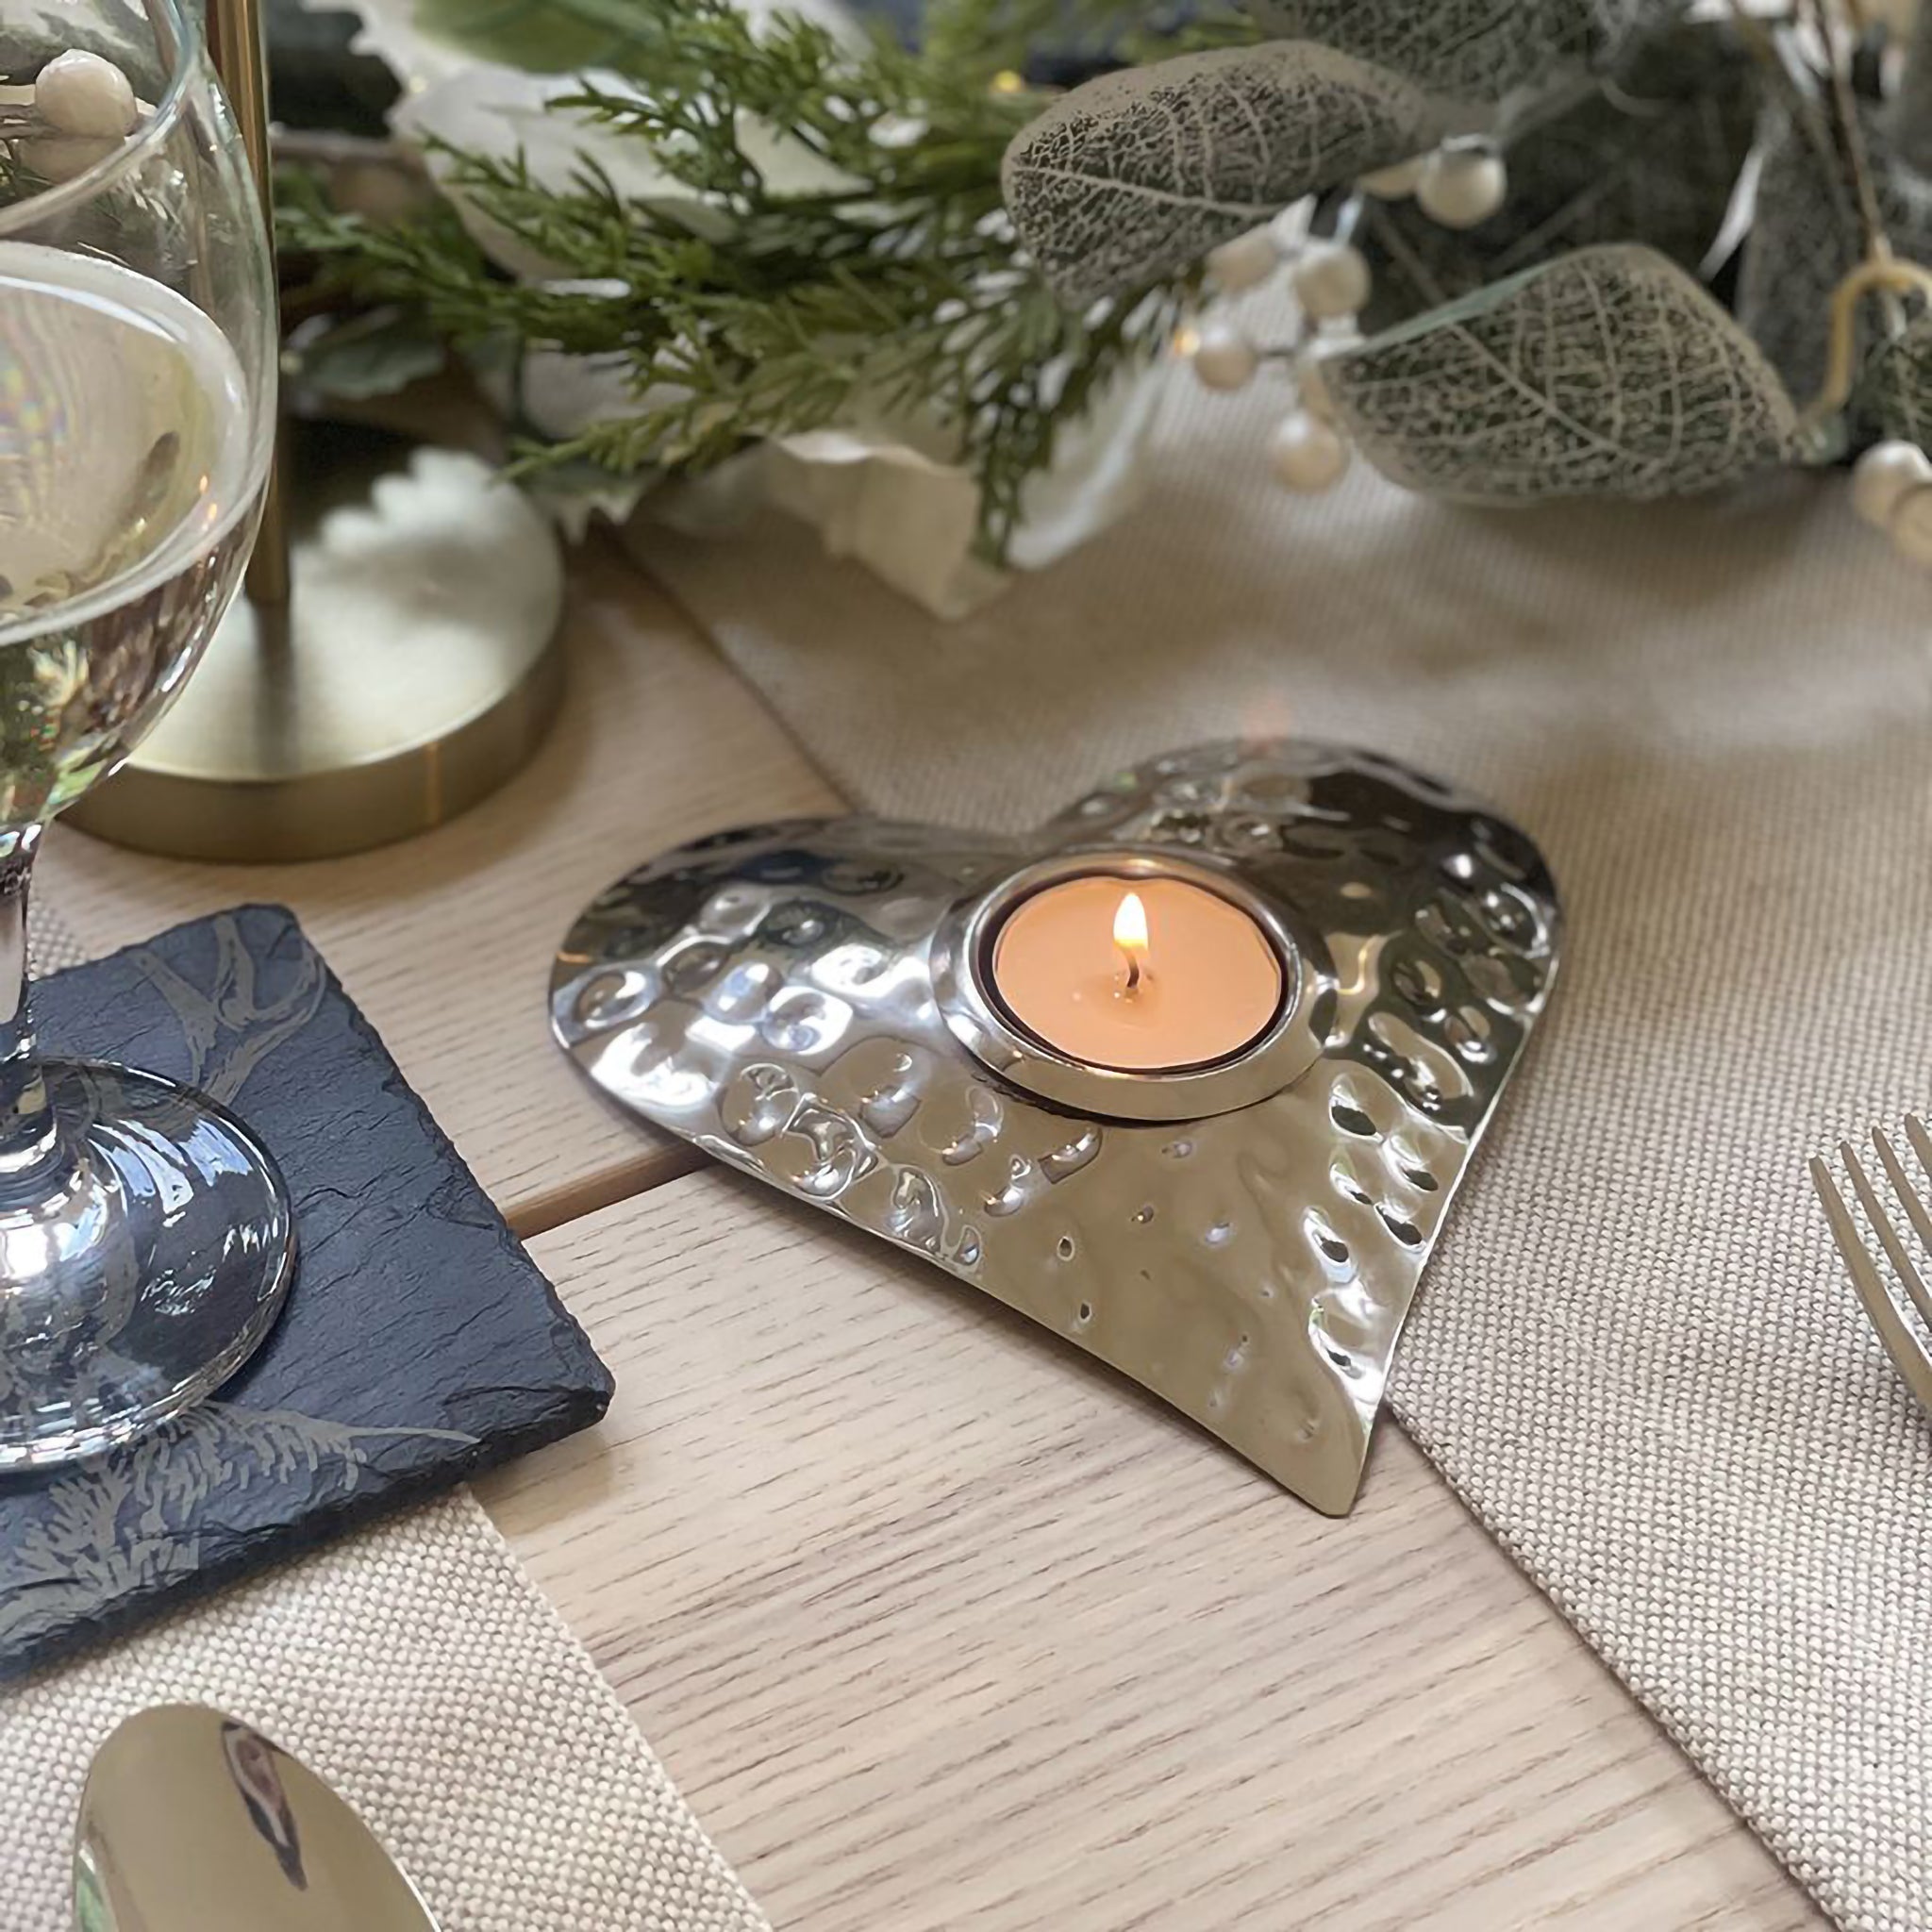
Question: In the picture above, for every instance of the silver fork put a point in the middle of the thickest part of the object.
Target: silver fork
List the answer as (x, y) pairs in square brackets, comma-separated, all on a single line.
[(1906, 1346)]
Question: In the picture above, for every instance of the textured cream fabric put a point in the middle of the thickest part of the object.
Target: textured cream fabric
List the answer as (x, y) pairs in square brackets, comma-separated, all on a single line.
[(426, 1678), (1635, 1354), (53, 942), (419, 1670)]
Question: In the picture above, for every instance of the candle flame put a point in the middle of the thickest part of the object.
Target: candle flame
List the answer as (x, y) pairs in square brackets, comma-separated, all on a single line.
[(1130, 936)]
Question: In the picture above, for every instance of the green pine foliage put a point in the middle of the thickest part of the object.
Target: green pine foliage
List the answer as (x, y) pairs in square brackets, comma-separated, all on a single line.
[(896, 286)]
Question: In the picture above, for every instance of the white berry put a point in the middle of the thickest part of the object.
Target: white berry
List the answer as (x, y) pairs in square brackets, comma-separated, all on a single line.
[(79, 93), (1883, 475), (1225, 358), (1461, 186), (1306, 455), (1394, 184), (1331, 280), (1245, 262), (1912, 526)]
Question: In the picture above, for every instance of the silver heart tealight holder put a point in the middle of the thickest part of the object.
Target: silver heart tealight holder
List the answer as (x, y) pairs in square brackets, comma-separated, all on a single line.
[(1190, 1076)]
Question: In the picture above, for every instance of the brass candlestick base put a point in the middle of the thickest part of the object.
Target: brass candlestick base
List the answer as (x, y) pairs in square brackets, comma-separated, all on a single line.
[(414, 669)]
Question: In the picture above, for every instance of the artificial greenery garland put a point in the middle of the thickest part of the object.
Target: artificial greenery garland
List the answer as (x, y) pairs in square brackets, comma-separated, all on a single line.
[(1653, 246), (894, 288)]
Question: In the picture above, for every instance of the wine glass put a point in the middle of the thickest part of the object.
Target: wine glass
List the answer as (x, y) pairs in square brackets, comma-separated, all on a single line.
[(146, 1238)]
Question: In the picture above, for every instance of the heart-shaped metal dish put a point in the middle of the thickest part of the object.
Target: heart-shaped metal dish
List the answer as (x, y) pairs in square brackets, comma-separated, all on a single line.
[(805, 1002)]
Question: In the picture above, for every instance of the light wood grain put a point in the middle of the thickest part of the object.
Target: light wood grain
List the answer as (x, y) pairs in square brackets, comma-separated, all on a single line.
[(446, 940), (940, 1626)]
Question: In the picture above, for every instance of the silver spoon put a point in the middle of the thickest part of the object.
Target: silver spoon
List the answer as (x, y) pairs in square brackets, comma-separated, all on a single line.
[(193, 1823)]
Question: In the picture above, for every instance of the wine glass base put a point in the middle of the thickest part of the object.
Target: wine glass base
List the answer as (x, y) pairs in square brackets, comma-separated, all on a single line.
[(141, 1263)]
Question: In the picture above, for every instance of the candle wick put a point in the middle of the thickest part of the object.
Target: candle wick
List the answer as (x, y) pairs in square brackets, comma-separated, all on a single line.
[(1130, 936)]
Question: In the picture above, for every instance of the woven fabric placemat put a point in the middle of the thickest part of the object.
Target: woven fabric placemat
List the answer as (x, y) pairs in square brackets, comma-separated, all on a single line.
[(55, 945), (1634, 1354), (419, 1670)]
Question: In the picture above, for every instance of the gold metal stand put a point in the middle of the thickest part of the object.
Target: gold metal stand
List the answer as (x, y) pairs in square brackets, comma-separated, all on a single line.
[(393, 658), (412, 670), (241, 58)]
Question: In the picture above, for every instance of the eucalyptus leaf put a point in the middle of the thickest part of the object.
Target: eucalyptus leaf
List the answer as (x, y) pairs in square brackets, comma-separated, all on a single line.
[(374, 353), (1805, 238), (1605, 372), (1657, 157), (540, 35), (1134, 176), (1473, 50), (1895, 393)]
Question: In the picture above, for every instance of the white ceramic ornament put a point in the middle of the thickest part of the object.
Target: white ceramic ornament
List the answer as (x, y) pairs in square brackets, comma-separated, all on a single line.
[(899, 131), (1394, 184), (1245, 262), (1223, 357), (1912, 526), (1307, 456), (78, 92), (1331, 280), (1461, 186), (1882, 476)]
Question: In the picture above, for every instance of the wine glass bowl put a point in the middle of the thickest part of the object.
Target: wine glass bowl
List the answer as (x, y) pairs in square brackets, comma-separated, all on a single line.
[(136, 388), (145, 1239), (112, 488)]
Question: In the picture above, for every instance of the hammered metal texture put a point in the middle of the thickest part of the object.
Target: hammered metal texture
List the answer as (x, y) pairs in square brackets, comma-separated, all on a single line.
[(768, 994)]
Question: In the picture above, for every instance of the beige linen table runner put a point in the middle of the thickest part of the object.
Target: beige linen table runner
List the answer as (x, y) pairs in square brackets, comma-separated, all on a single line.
[(1634, 1354), (420, 1670)]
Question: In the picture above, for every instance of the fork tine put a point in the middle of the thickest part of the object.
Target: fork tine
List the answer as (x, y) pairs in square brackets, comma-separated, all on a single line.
[(1922, 1141), (1895, 1250), (1904, 1348), (1915, 1213)]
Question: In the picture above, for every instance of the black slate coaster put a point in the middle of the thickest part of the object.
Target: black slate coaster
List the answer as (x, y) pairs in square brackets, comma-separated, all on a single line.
[(419, 1344)]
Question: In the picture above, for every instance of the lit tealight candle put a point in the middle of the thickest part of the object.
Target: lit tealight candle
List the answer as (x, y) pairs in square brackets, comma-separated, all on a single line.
[(1149, 976)]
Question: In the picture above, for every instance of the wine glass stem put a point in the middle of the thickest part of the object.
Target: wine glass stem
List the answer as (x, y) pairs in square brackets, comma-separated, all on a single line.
[(27, 1124)]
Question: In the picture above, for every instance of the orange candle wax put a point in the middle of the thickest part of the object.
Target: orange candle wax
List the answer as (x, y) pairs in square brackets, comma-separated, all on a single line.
[(1139, 975)]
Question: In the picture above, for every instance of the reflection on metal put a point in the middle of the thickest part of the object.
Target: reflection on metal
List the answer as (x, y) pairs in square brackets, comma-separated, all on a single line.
[(394, 656), (809, 1003), (193, 1823), (415, 668)]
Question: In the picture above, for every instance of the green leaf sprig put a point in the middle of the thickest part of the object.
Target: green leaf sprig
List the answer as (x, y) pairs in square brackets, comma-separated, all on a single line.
[(890, 286)]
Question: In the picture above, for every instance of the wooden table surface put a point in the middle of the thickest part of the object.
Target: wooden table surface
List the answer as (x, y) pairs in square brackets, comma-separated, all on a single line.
[(446, 940), (938, 1624)]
